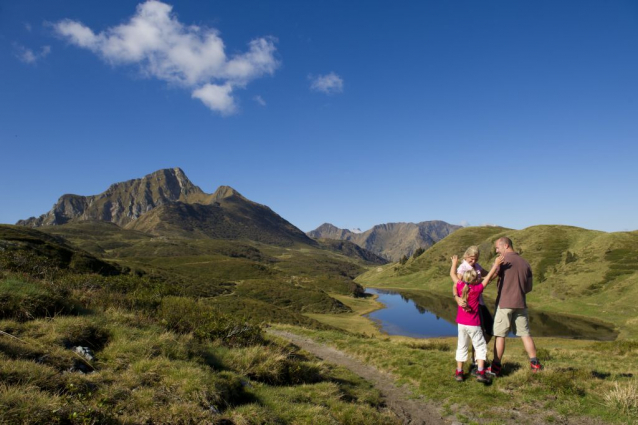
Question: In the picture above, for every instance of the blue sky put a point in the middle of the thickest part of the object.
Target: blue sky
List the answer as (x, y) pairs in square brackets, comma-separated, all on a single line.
[(354, 113)]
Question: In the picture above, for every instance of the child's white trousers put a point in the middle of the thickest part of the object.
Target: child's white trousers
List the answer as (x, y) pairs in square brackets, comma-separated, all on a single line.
[(473, 335)]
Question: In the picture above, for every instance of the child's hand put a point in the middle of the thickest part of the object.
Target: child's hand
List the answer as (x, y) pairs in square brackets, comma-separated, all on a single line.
[(462, 303), (499, 260), (455, 259)]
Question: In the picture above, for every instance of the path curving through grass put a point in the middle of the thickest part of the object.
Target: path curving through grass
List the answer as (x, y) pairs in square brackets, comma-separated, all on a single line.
[(398, 399)]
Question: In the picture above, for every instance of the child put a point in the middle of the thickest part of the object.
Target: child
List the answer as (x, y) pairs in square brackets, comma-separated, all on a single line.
[(470, 262), (469, 290)]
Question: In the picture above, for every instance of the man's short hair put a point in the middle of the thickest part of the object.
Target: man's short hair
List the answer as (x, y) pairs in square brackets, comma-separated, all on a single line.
[(507, 241)]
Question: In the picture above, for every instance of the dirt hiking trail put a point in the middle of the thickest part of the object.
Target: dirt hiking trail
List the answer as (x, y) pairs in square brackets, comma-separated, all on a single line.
[(398, 399)]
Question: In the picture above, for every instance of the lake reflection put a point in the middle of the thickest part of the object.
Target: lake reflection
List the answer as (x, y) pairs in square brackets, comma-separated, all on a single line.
[(421, 314)]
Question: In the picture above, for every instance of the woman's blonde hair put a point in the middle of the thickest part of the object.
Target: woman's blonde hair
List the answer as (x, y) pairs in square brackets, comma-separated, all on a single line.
[(469, 276), (472, 251)]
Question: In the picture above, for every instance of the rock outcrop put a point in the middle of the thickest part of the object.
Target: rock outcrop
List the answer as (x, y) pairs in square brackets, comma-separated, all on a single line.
[(167, 203), (123, 202)]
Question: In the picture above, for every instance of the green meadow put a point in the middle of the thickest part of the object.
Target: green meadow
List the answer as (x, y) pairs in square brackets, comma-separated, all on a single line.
[(170, 343), (578, 272), (177, 330)]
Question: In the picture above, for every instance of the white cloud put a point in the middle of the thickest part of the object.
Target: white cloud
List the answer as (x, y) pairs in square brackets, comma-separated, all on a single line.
[(259, 100), (27, 55), (329, 83), (217, 98), (465, 223), (187, 55), (27, 26)]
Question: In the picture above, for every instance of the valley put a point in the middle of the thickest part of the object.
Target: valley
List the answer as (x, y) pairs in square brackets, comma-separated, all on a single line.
[(183, 300)]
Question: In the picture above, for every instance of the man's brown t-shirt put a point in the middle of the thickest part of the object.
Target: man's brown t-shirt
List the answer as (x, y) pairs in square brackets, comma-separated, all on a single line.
[(514, 281)]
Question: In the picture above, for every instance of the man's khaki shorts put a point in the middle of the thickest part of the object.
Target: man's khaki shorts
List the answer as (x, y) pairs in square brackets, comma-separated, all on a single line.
[(514, 319)]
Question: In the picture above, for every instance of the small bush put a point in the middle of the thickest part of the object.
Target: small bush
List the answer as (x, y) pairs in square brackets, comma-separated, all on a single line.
[(562, 381), (272, 365), (85, 334), (620, 348), (185, 315), (28, 262), (24, 301), (623, 397)]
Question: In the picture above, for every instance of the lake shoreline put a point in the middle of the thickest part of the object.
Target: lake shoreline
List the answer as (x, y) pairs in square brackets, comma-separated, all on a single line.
[(543, 323)]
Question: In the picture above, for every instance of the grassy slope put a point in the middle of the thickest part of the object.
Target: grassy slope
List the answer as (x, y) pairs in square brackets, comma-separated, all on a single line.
[(576, 271), (582, 379), (144, 373), (162, 355), (268, 283)]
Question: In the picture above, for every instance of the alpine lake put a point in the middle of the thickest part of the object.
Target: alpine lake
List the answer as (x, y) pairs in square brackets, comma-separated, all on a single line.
[(421, 314)]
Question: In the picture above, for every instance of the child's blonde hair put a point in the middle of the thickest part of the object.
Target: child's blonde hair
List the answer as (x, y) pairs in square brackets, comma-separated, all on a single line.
[(472, 251), (469, 276)]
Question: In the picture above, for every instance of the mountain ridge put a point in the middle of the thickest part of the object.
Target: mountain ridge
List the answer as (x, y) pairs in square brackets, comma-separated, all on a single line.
[(167, 203), (390, 240), (122, 202)]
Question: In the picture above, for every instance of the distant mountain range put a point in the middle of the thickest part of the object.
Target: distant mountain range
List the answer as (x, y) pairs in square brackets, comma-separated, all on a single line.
[(391, 240), (167, 203)]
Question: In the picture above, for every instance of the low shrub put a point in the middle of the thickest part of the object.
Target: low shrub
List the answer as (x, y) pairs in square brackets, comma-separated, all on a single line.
[(185, 315), (620, 347), (84, 333), (24, 301), (624, 397), (272, 365)]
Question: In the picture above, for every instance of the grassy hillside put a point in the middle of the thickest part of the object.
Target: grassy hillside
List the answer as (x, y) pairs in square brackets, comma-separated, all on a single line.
[(584, 382), (34, 252), (163, 351), (288, 280), (576, 271)]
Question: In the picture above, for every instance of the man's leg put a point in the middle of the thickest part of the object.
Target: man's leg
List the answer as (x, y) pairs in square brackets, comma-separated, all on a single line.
[(530, 347), (521, 324), (499, 348)]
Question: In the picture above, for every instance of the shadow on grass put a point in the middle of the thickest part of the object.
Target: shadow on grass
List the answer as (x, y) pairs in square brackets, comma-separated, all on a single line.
[(510, 368), (600, 375)]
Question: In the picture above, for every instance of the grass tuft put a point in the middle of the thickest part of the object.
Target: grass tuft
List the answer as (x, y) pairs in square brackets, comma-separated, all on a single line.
[(24, 301), (624, 397), (431, 344)]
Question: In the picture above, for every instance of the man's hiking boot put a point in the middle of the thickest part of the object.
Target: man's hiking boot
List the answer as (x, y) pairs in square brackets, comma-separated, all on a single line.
[(473, 369), (482, 377), (458, 376), (536, 366), (494, 370)]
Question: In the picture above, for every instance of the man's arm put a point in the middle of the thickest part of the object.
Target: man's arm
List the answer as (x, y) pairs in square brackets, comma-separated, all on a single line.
[(494, 270), (529, 282)]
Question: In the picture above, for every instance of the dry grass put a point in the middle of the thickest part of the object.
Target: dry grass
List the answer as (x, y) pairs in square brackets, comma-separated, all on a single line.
[(623, 397)]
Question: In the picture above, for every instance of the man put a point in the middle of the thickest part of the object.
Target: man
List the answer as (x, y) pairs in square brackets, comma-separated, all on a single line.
[(515, 281)]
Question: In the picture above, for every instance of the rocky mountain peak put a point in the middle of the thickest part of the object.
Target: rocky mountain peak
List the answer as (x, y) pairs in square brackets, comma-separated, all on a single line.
[(390, 240), (122, 202), (224, 192)]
